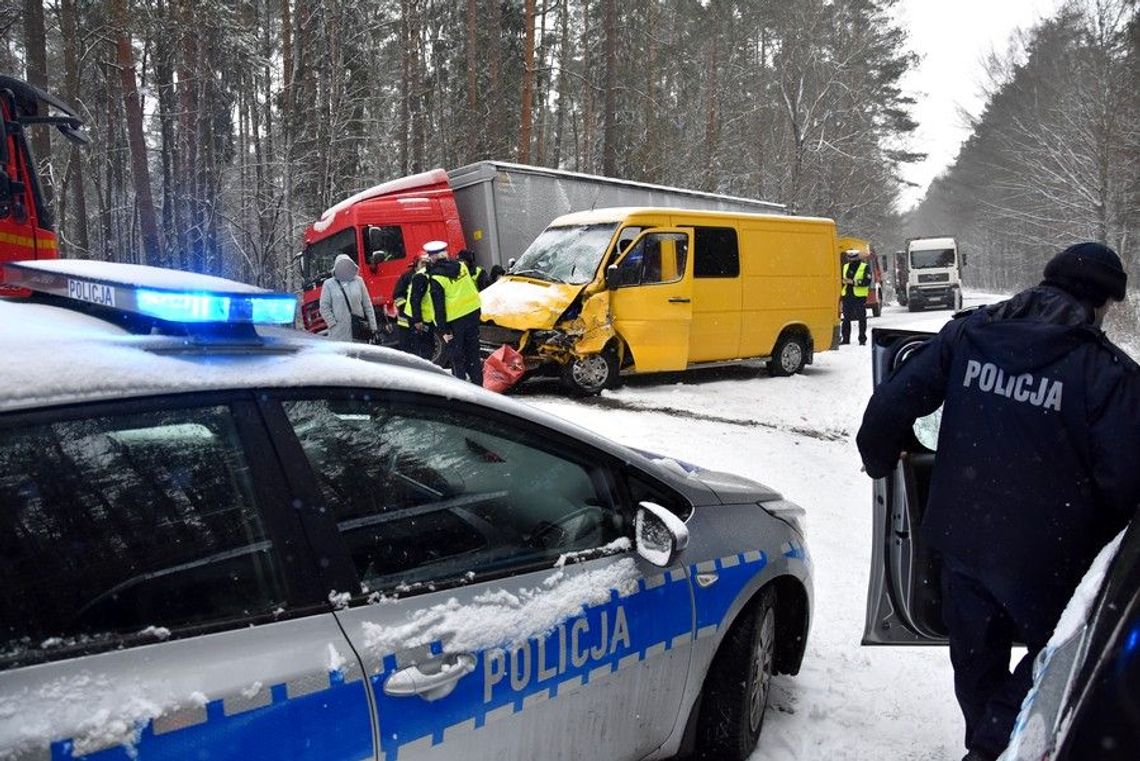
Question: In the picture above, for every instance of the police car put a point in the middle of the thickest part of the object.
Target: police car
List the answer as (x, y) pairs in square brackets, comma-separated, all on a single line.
[(1085, 698), (223, 538)]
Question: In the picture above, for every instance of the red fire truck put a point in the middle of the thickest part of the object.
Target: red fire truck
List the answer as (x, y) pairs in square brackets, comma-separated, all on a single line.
[(27, 230)]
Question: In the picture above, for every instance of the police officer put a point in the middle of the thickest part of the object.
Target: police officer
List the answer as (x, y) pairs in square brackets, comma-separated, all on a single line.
[(400, 295), (855, 275), (420, 308), (482, 278), (1036, 469), (457, 309)]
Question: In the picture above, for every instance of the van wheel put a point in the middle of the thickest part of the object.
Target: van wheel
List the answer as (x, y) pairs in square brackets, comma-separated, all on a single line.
[(735, 693), (789, 356), (590, 374), (877, 307)]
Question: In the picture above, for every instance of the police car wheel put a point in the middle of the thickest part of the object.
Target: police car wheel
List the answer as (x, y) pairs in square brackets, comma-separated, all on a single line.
[(789, 357), (732, 708), (591, 374)]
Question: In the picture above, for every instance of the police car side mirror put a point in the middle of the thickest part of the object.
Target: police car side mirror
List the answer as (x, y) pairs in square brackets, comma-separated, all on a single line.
[(659, 535)]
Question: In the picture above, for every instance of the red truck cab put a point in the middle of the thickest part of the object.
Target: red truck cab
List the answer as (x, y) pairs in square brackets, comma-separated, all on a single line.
[(27, 230), (383, 229)]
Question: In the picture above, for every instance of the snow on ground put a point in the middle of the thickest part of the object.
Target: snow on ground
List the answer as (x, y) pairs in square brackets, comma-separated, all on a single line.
[(797, 435)]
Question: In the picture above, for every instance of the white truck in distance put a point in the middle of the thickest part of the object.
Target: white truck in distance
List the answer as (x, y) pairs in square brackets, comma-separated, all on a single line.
[(930, 273)]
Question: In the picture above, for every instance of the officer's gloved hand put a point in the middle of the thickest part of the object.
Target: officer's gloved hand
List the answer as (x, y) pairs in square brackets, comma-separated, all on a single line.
[(447, 337)]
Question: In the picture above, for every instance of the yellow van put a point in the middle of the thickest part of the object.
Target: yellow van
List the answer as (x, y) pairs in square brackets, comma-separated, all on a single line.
[(642, 290)]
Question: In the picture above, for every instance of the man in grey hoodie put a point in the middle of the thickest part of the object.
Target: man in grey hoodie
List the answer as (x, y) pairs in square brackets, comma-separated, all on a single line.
[(344, 296)]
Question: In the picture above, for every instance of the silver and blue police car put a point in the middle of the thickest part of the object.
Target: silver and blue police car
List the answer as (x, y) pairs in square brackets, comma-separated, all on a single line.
[(222, 538)]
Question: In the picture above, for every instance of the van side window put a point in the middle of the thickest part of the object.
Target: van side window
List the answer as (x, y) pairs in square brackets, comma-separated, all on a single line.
[(112, 525), (656, 258), (717, 254)]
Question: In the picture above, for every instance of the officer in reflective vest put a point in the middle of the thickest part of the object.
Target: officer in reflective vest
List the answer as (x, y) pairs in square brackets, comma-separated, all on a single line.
[(420, 308), (856, 278), (457, 309), (482, 279), (400, 294)]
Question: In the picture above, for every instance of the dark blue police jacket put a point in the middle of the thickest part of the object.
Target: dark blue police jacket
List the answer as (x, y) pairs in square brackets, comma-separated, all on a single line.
[(1038, 462)]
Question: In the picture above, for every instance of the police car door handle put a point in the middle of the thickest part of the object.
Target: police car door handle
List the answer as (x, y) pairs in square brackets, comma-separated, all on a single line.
[(679, 300), (432, 679)]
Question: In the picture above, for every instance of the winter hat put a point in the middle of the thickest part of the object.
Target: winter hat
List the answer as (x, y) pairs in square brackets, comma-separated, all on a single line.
[(1090, 271)]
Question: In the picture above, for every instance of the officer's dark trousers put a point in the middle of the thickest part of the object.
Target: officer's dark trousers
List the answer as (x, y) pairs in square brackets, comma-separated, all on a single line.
[(423, 343), (854, 308), (405, 339), (982, 633), (466, 364)]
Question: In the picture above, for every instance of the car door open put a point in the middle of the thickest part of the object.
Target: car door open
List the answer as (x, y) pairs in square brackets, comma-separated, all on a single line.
[(904, 597)]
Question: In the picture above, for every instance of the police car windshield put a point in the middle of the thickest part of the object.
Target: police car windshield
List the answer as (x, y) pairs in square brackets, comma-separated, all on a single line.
[(319, 256), (566, 254), (942, 257)]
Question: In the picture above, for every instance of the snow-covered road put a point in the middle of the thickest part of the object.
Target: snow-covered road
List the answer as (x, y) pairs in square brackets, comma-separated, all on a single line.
[(797, 435)]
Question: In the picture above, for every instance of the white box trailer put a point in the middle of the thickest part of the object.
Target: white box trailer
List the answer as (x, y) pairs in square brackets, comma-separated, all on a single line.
[(503, 206)]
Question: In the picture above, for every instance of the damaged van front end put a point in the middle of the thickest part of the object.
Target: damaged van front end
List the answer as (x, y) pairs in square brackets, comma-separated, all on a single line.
[(555, 326)]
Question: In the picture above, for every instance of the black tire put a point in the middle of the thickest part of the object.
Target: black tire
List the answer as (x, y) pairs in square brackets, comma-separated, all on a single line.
[(877, 309), (912, 307), (789, 356), (440, 353), (590, 375), (957, 300), (735, 694)]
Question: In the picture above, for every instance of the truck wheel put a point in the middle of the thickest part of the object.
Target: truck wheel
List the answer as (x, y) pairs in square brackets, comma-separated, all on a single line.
[(912, 307), (735, 693), (958, 300), (789, 356), (590, 374)]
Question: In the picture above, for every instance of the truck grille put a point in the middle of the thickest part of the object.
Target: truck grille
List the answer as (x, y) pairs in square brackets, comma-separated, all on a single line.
[(941, 277), (311, 317), (493, 335)]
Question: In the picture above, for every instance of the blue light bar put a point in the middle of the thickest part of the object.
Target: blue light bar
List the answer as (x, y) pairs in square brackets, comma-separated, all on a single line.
[(174, 306), (172, 297)]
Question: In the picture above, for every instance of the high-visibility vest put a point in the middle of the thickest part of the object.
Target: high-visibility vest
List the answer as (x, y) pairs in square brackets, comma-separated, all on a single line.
[(427, 307), (860, 273), (460, 296)]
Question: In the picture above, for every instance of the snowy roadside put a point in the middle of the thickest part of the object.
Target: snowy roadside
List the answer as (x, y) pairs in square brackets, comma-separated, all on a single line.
[(796, 435)]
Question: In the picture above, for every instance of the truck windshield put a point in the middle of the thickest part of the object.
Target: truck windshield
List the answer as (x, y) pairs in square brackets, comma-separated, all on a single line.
[(929, 259), (566, 254), (318, 259)]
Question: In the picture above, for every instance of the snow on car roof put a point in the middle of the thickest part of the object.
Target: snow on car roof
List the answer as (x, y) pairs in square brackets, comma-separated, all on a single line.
[(59, 356), (140, 275)]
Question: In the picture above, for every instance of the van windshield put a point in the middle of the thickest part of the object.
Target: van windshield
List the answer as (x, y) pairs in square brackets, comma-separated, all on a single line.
[(931, 258), (566, 254), (319, 256)]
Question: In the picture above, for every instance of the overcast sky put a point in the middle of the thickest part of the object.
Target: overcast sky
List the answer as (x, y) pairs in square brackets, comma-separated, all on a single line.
[(954, 37)]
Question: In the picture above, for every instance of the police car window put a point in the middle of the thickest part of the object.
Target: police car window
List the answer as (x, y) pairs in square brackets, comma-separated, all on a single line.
[(424, 494), (111, 525)]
